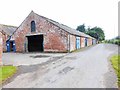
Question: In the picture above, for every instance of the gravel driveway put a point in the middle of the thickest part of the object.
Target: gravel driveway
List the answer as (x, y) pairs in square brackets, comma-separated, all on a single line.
[(88, 68)]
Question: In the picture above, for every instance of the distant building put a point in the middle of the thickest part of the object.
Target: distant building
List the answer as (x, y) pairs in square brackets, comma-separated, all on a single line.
[(7, 31)]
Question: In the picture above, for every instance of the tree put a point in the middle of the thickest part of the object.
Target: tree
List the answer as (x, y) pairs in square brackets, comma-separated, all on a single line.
[(97, 33), (81, 28), (93, 34)]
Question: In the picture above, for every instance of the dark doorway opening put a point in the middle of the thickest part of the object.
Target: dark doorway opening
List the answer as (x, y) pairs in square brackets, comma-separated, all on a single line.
[(35, 43), (11, 46), (85, 41)]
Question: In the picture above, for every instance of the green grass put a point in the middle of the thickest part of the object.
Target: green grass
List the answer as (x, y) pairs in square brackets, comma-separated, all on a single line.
[(6, 72), (116, 65)]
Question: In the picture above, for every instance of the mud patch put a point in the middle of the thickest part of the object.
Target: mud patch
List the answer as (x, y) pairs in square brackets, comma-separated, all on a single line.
[(70, 58), (65, 70), (40, 56), (56, 58)]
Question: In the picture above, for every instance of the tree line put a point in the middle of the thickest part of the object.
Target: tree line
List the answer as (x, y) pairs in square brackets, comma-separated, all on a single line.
[(115, 40), (95, 32)]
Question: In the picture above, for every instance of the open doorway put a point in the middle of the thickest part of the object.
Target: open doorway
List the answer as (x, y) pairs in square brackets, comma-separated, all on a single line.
[(85, 41), (11, 46), (35, 43)]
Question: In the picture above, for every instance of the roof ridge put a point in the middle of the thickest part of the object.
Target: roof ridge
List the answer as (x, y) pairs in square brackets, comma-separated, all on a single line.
[(49, 20), (45, 17)]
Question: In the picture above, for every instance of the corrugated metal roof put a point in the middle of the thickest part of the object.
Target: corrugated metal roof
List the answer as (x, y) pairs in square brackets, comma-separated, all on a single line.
[(66, 28), (7, 29)]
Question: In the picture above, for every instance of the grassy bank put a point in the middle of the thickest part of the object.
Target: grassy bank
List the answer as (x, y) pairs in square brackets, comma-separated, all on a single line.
[(116, 65), (6, 72), (83, 48)]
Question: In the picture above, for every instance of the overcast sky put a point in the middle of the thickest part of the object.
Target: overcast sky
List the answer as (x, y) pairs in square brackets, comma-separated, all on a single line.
[(101, 13)]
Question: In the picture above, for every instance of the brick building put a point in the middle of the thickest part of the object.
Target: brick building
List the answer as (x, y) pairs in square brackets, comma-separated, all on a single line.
[(38, 33), (7, 31)]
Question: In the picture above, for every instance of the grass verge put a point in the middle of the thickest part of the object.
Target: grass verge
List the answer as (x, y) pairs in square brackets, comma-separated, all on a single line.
[(6, 72), (83, 48), (116, 65)]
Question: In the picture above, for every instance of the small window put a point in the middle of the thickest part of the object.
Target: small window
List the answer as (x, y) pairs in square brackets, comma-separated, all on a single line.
[(33, 26)]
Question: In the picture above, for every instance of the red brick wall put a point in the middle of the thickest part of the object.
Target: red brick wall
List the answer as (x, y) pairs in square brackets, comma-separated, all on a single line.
[(5, 37), (89, 41), (0, 47), (72, 42), (82, 42), (55, 39)]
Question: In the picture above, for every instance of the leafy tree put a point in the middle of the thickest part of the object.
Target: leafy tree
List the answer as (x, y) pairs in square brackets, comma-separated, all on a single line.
[(97, 33), (81, 28), (93, 34)]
